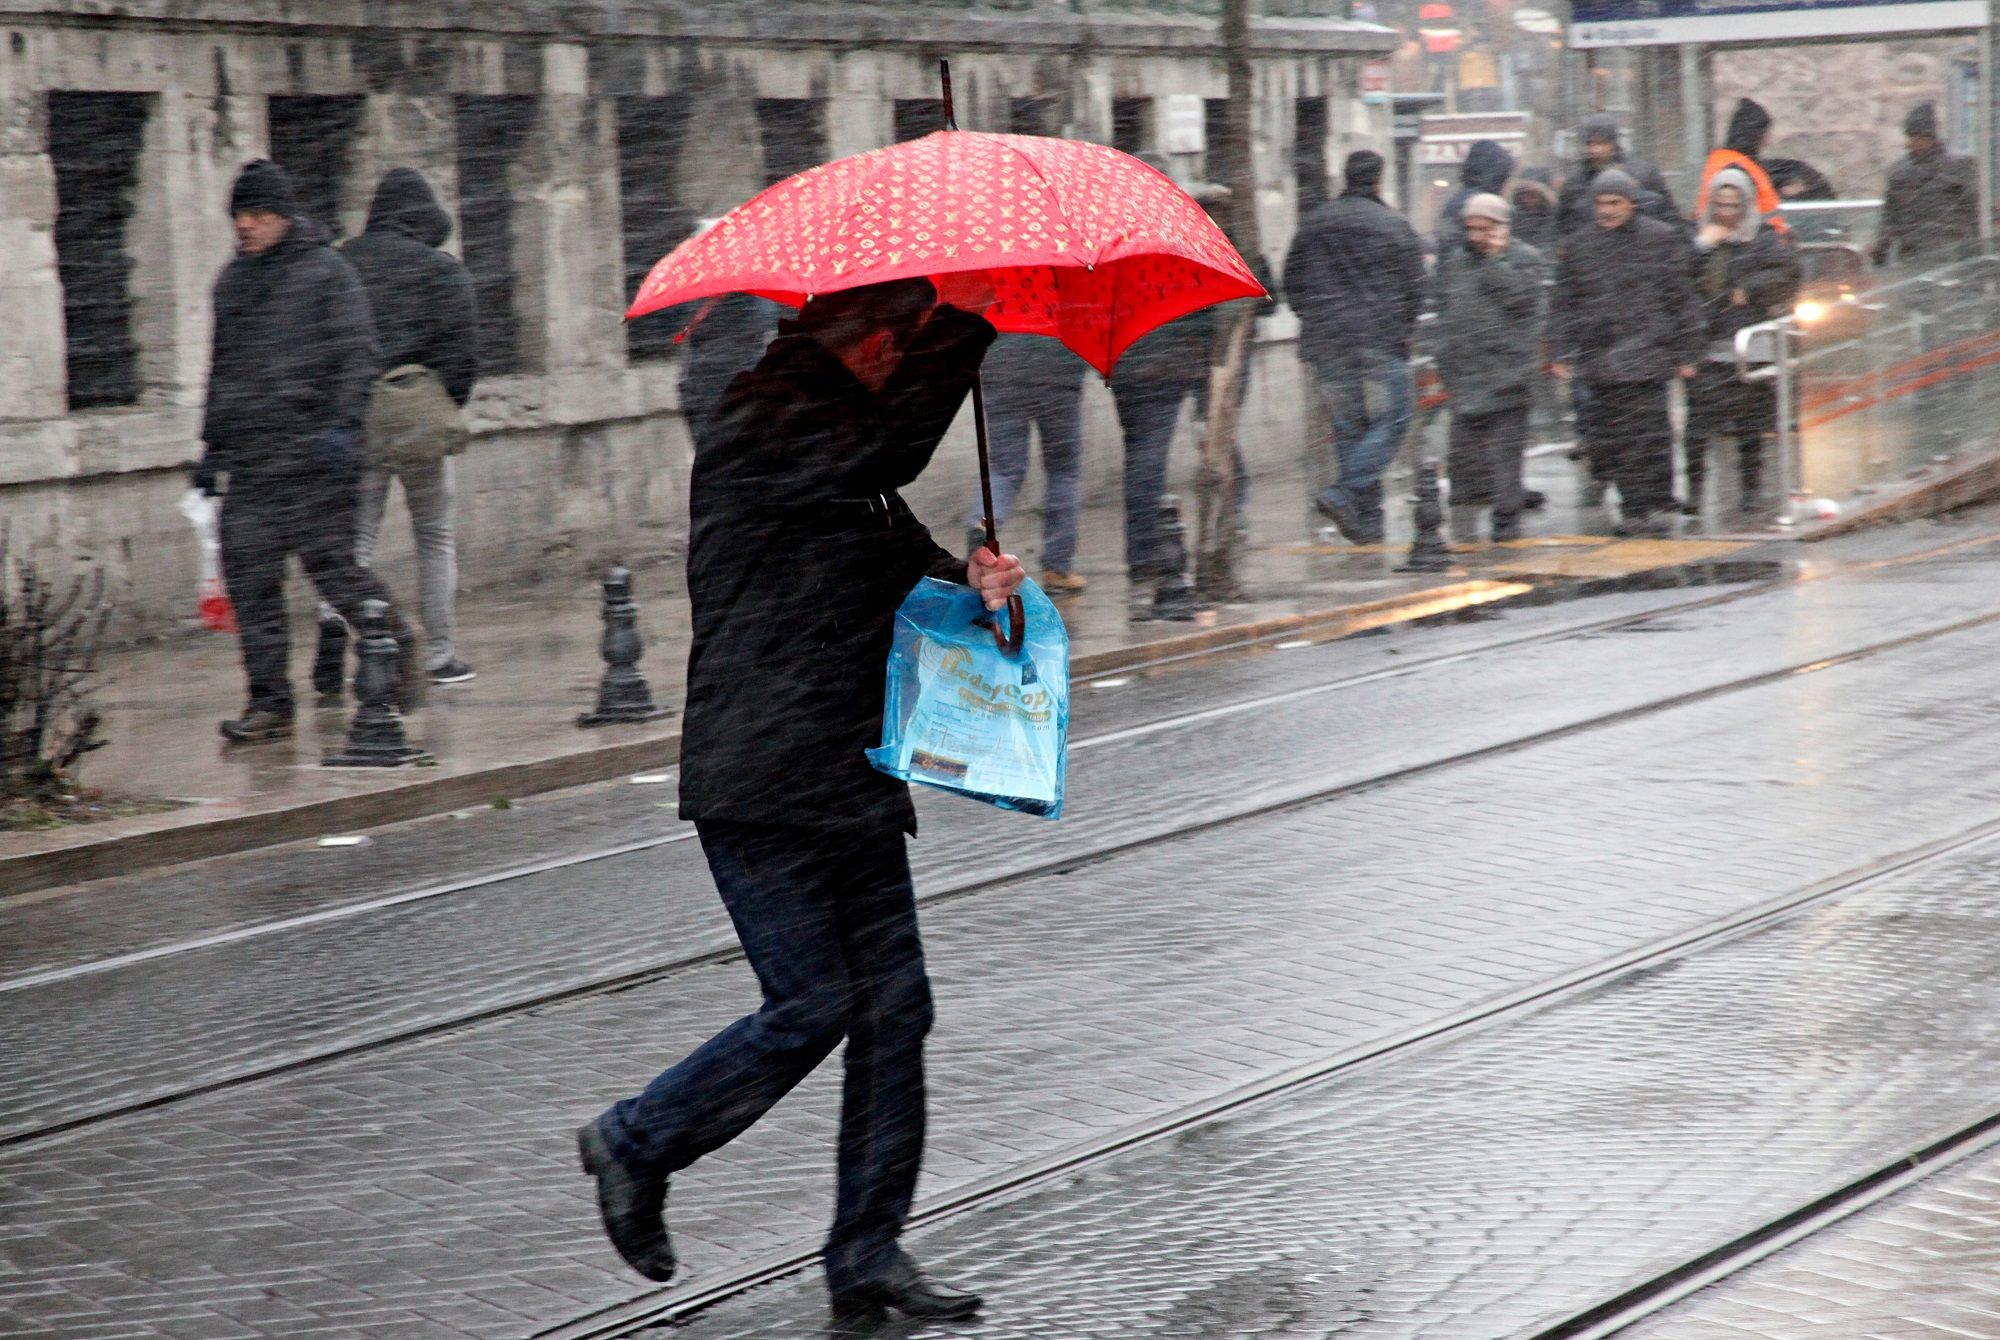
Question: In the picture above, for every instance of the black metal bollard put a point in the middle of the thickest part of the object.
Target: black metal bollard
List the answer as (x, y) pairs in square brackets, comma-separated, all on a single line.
[(375, 738), (1428, 551), (622, 696), (1174, 597)]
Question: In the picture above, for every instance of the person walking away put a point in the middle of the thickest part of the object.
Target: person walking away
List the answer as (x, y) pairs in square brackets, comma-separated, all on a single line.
[(800, 551), (1743, 149), (1489, 293), (1930, 210), (1627, 323), (293, 359), (1744, 274), (1151, 382), (1033, 383), (427, 324), (1485, 171), (1576, 208), (1355, 276)]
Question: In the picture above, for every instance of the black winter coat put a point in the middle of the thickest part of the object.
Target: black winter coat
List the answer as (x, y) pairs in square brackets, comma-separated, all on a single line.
[(1489, 327), (1765, 268), (421, 298), (1576, 206), (1930, 212), (294, 356), (799, 552), (1355, 276), (1625, 303), (726, 344)]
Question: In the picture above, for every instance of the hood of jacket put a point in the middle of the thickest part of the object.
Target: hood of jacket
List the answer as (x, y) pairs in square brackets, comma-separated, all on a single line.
[(1747, 227), (1487, 167), (1748, 125), (404, 203)]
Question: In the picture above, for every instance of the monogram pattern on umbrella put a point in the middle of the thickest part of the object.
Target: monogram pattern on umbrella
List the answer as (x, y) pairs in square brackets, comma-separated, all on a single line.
[(1079, 241)]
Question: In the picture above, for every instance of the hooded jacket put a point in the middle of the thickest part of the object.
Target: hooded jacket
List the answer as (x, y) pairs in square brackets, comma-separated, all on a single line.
[(1485, 172), (1624, 304), (799, 552), (292, 360), (1748, 125), (1752, 260), (1930, 212), (1573, 204), (421, 297), (1355, 276)]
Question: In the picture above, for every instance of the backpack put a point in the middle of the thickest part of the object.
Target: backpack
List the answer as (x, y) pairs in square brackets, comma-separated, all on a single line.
[(412, 419)]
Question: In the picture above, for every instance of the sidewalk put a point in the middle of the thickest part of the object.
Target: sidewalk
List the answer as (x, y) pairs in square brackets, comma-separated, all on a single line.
[(512, 730)]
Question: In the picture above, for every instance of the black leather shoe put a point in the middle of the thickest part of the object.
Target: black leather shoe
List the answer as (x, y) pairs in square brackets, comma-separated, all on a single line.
[(909, 1291), (634, 1209)]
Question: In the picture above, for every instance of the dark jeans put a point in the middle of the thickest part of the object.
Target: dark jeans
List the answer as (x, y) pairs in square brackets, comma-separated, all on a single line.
[(829, 924), (1147, 413), (1627, 422), (1722, 406), (1371, 397), (1058, 413), (1484, 461), (265, 521)]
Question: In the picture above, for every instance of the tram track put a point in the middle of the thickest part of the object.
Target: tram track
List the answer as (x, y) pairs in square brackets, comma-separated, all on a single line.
[(941, 893), (669, 1307)]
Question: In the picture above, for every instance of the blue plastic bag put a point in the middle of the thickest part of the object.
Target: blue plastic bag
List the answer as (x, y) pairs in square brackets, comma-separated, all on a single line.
[(963, 715)]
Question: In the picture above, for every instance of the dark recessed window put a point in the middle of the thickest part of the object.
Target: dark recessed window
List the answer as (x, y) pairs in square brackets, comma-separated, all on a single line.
[(1132, 124), (651, 132), (312, 139), (918, 117), (1309, 153), (1035, 116), (492, 133), (792, 134), (95, 140)]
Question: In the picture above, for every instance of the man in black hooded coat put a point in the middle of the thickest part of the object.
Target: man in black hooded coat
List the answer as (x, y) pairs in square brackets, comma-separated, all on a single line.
[(425, 314), (1601, 151), (1485, 172), (293, 360)]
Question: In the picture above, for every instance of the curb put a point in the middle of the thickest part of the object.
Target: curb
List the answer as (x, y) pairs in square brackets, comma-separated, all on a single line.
[(131, 853), (1961, 485)]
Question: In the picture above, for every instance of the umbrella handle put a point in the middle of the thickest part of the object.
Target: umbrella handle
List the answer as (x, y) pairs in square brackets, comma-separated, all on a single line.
[(1017, 613)]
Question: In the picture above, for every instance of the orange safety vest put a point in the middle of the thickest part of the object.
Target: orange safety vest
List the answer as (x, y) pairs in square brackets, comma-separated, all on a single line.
[(1769, 203)]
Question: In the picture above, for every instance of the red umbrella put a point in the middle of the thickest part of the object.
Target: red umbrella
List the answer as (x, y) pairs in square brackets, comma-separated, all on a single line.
[(1078, 241)]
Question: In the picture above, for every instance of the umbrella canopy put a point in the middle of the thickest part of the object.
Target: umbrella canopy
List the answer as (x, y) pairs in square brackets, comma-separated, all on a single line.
[(1079, 241)]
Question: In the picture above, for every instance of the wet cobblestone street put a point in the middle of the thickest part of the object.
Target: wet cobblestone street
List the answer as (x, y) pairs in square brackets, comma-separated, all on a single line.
[(1455, 982)]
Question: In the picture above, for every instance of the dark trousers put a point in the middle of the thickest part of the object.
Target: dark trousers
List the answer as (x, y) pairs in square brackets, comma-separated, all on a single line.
[(1148, 410), (1721, 406), (264, 522), (1484, 461), (829, 925), (1628, 424)]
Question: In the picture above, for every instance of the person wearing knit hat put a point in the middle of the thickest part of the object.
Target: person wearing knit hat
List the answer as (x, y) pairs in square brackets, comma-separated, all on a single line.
[(288, 385), (1599, 136), (1489, 323), (1930, 211), (1626, 324)]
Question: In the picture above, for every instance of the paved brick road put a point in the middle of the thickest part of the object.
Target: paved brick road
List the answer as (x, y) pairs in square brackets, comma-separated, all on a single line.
[(427, 1189)]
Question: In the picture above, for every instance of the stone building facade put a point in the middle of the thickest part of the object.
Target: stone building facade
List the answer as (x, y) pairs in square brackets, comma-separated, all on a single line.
[(575, 140)]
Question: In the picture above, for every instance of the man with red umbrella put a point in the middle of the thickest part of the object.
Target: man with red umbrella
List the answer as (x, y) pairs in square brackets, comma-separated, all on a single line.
[(800, 552)]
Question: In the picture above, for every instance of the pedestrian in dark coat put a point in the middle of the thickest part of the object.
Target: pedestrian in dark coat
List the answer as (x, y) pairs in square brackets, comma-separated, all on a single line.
[(425, 316), (800, 551), (1485, 171), (1032, 382), (1930, 211), (1533, 202), (1628, 323), (1744, 274), (721, 347), (1355, 276), (293, 359), (1489, 293), (1601, 150)]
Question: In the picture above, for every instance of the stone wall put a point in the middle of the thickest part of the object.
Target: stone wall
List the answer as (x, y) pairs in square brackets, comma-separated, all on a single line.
[(583, 456), (1840, 106)]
